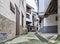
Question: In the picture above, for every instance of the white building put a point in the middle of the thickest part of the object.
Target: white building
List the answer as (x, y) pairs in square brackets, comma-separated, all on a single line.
[(48, 12), (30, 7), (11, 21)]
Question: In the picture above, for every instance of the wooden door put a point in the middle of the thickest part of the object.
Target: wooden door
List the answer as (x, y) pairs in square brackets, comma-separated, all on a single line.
[(17, 21)]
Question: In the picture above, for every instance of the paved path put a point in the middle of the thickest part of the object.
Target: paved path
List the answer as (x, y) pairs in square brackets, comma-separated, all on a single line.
[(23, 38), (29, 36)]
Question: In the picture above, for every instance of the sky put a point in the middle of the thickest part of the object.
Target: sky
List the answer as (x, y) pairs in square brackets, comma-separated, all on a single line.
[(43, 5)]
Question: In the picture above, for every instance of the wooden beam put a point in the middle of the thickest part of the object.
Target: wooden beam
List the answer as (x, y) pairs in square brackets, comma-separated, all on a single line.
[(52, 7)]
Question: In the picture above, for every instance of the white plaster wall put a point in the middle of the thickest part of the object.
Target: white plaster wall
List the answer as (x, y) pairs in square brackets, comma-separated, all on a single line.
[(50, 21), (10, 21), (5, 10)]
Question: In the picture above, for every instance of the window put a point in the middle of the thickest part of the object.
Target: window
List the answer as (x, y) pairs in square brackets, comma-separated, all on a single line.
[(28, 9), (12, 8), (27, 16)]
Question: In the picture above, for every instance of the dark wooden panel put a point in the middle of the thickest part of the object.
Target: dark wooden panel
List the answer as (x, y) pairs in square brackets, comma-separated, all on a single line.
[(52, 8), (17, 21)]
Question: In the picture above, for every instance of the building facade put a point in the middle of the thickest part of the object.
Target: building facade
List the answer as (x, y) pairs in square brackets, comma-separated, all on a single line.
[(35, 21), (48, 14), (12, 18), (31, 15)]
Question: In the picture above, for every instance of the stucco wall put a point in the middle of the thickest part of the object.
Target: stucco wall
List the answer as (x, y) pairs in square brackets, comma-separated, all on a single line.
[(7, 19), (5, 10)]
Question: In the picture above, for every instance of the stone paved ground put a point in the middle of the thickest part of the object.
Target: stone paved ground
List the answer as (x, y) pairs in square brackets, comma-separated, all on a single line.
[(30, 38), (23, 38)]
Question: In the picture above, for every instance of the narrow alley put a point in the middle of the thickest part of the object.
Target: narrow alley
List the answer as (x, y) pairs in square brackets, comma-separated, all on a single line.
[(30, 38), (29, 21)]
